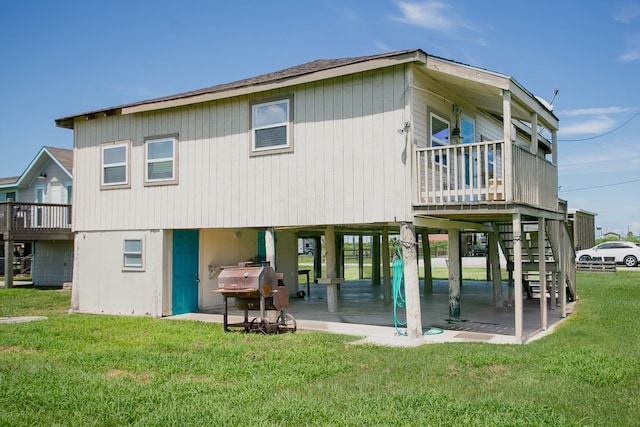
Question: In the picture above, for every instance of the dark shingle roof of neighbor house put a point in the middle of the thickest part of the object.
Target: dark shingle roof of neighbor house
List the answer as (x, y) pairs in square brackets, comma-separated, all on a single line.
[(9, 180), (64, 157), (276, 76)]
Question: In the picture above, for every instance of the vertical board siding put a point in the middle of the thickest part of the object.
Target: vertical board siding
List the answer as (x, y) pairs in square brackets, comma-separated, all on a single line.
[(348, 165)]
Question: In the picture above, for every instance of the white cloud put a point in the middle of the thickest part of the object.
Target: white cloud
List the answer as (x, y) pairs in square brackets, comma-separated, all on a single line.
[(437, 16), (597, 111), (632, 52), (382, 46), (595, 125), (587, 158), (627, 14)]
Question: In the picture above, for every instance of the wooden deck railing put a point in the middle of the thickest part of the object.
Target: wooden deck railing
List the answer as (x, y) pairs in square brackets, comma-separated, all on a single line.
[(475, 173), (34, 218), (535, 180)]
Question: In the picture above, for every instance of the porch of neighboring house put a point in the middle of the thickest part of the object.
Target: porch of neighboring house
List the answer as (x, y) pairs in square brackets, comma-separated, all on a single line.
[(26, 223)]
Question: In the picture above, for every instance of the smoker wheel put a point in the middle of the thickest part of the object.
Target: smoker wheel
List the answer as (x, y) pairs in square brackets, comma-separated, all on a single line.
[(287, 323), (260, 325)]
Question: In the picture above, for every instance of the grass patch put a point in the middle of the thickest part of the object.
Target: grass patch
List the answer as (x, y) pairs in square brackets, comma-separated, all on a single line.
[(111, 371)]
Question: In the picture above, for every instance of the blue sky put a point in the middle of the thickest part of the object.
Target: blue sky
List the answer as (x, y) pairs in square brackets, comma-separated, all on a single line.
[(67, 57)]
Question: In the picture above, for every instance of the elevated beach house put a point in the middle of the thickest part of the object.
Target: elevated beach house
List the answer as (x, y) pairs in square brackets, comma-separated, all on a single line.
[(170, 190), (35, 220)]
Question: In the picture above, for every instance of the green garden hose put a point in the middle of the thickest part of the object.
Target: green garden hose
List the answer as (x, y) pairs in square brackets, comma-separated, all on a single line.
[(399, 300)]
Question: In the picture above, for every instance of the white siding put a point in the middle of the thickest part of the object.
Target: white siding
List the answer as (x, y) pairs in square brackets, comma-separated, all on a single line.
[(347, 165), (489, 129), (55, 174), (101, 285)]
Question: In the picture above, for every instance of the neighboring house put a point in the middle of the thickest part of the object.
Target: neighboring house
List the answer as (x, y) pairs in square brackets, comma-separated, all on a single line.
[(611, 236), (171, 189), (35, 216)]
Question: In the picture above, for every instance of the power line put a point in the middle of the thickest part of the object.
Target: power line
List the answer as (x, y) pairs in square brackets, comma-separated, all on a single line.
[(604, 134), (601, 186)]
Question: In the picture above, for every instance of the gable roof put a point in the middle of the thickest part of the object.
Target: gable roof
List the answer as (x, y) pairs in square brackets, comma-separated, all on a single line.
[(63, 157), (252, 84), (451, 71)]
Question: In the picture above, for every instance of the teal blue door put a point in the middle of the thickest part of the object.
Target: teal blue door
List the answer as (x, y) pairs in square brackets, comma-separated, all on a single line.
[(185, 272)]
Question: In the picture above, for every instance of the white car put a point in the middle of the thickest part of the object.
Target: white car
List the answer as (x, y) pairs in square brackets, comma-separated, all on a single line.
[(626, 253)]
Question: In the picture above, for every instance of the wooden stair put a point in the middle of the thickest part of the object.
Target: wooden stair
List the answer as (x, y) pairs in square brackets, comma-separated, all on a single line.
[(532, 255)]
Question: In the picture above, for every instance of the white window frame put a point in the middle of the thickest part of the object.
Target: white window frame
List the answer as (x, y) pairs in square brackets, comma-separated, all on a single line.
[(128, 254), (437, 142), (126, 145), (149, 141), (287, 123)]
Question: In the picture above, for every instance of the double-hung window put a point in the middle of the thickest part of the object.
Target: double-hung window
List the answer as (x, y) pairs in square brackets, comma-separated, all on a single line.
[(160, 160), (133, 256), (115, 165), (271, 126)]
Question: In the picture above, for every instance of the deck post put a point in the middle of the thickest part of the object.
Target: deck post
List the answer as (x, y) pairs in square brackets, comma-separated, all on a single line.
[(270, 255), (508, 145), (517, 273), (270, 247), (454, 274), (8, 263), (360, 258), (496, 275), (533, 149), (554, 229), (340, 257), (542, 273), (317, 258), (386, 267), (409, 241), (332, 287), (426, 256), (375, 260), (564, 265), (554, 147), (8, 247)]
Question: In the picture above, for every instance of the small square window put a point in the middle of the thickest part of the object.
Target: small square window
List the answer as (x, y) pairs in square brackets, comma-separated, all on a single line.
[(133, 254), (271, 125), (115, 165), (161, 160)]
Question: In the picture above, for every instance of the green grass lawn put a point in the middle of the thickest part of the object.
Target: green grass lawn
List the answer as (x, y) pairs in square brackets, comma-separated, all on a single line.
[(83, 370)]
